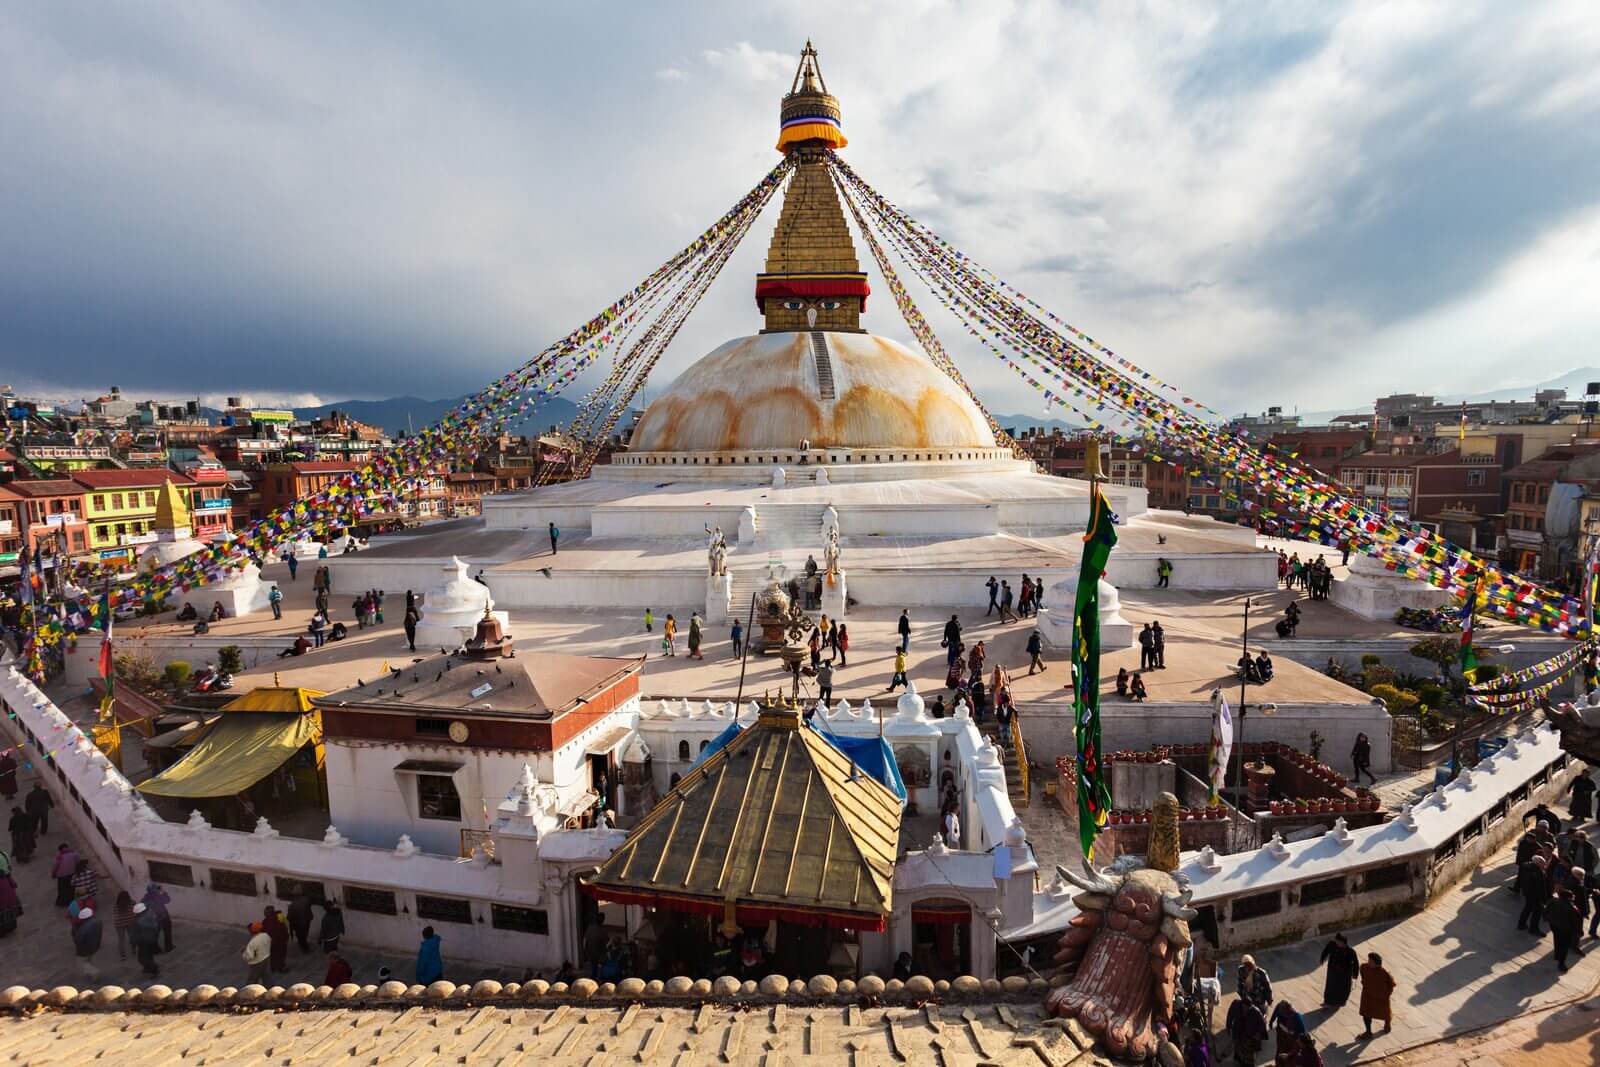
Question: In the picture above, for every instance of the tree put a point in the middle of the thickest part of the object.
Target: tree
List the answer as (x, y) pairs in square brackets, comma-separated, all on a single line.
[(1444, 652), (230, 659)]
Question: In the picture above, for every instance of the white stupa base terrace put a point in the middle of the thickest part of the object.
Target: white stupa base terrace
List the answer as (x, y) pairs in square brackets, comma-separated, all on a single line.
[(928, 539), (1374, 592)]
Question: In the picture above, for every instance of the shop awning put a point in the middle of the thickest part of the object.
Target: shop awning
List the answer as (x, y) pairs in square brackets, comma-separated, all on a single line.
[(236, 753)]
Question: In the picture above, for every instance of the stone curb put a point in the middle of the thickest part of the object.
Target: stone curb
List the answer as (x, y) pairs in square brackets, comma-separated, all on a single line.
[(675, 992)]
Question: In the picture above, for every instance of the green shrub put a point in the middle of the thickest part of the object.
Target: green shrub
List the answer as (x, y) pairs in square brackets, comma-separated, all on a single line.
[(177, 674), (1370, 659), (1486, 672), (1433, 694), (230, 659), (1376, 676), (1398, 701)]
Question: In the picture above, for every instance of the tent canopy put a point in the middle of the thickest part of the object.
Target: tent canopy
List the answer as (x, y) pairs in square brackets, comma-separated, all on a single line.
[(281, 698), (236, 752)]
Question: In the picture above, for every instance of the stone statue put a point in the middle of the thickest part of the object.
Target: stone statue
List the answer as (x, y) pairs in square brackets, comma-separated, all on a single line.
[(717, 552), (830, 521), (1121, 954), (830, 552)]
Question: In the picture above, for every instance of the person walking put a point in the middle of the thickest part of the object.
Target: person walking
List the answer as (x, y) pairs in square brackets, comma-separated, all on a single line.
[(332, 927), (144, 935), (1247, 1026), (825, 681), (85, 883), (1377, 986), (903, 627), (555, 537), (10, 905), (899, 678), (1581, 790), (649, 621), (669, 630), (694, 635), (8, 776), (430, 958), (121, 920), (994, 596), (1566, 926), (952, 641), (22, 839), (158, 901), (737, 634), (38, 804), (275, 598), (359, 607), (299, 916), (1163, 573), (1036, 651), (278, 933), (410, 624), (1342, 964), (1361, 759), (1254, 984), (87, 933), (62, 869), (294, 564), (1534, 887), (377, 607), (843, 640), (257, 955), (1006, 614), (1147, 648)]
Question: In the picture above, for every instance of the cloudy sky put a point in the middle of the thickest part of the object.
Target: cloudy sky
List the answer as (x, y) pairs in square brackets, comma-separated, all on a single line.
[(1297, 203)]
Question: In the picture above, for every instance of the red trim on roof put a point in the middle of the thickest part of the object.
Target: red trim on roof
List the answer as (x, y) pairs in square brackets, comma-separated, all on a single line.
[(136, 478), (812, 287)]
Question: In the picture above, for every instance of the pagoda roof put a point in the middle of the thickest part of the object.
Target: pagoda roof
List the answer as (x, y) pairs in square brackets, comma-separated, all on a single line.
[(776, 825)]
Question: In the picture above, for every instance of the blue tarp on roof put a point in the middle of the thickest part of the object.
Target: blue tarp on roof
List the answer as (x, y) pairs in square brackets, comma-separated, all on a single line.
[(717, 744), (872, 754)]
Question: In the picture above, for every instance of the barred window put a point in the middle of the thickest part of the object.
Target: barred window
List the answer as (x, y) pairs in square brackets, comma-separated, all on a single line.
[(1386, 877), (1321, 892), (179, 874), (376, 901), (526, 920), (289, 888), (444, 909), (240, 882), (1257, 905)]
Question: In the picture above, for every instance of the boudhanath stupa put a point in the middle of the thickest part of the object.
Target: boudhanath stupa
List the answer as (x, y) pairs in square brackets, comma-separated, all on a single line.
[(770, 445)]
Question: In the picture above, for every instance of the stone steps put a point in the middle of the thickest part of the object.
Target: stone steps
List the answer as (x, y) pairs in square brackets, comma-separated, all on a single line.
[(819, 351)]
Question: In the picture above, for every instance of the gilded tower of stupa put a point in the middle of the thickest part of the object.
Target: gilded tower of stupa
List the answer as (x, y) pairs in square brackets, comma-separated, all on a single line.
[(813, 280)]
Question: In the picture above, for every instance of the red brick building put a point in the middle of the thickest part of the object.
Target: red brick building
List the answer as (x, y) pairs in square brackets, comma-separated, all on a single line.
[(50, 513), (1424, 487)]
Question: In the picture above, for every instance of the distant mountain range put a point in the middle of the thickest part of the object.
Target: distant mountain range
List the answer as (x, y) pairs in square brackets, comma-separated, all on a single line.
[(409, 413)]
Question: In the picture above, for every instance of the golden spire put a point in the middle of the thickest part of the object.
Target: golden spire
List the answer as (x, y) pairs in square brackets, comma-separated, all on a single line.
[(172, 512)]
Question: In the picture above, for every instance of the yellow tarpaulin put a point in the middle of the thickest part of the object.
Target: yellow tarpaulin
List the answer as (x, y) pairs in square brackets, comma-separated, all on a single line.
[(236, 753)]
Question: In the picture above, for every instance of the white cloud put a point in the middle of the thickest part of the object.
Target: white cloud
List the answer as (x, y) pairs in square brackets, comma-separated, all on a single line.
[(672, 74), (744, 60)]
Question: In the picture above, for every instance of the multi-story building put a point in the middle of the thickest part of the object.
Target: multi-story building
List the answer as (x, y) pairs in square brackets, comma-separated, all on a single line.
[(51, 515), (1532, 546), (12, 523), (1423, 486), (120, 507), (282, 484)]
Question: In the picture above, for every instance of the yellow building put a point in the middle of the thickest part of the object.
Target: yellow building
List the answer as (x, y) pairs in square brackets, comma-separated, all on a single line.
[(121, 507)]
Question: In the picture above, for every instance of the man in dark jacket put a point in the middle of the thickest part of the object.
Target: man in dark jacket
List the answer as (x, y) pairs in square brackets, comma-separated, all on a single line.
[(38, 804), (1035, 652), (1566, 925), (1534, 888), (904, 628), (299, 914), (86, 935)]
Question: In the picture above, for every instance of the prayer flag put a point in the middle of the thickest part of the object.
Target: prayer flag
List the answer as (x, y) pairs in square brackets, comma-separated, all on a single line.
[(1094, 796), (1469, 659)]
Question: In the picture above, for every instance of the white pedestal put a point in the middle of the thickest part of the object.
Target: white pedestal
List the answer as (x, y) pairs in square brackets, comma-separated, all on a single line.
[(450, 630), (1055, 624), (83, 661), (1375, 592), (719, 590), (240, 593), (834, 597)]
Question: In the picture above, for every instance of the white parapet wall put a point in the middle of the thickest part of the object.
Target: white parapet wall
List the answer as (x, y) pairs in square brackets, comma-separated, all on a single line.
[(482, 909)]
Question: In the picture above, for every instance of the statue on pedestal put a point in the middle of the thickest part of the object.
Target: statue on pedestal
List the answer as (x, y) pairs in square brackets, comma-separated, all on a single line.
[(830, 552), (717, 552)]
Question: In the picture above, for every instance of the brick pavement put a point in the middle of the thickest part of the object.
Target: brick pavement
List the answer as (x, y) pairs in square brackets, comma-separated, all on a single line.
[(1458, 965)]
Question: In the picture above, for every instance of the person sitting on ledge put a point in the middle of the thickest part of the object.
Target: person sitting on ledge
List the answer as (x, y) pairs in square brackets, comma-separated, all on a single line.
[(338, 632), (218, 612), (1137, 688), (1122, 682), (187, 613), (1247, 668), (297, 649), (1264, 666)]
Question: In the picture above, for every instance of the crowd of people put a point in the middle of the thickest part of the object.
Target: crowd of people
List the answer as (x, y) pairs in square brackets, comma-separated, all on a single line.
[(1556, 876), (1312, 575)]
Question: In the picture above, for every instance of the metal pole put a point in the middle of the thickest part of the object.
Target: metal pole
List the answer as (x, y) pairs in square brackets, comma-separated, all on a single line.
[(1244, 671), (744, 655)]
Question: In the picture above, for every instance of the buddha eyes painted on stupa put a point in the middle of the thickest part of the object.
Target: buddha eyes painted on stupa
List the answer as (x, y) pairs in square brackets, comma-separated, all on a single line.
[(801, 305)]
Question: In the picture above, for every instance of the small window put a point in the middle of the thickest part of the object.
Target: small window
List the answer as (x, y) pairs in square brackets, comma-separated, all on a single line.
[(444, 909), (704, 745), (437, 798), (116, 501), (433, 727), (242, 883), (179, 874), (150, 499), (1321, 892), (1386, 877), (376, 901), (683, 750), (524, 920), (289, 888), (1256, 906), (99, 502)]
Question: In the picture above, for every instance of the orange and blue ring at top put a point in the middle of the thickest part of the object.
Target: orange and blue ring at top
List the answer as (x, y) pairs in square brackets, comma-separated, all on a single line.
[(816, 127)]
